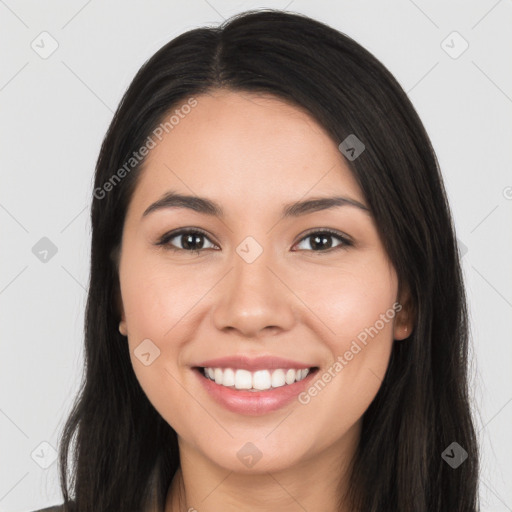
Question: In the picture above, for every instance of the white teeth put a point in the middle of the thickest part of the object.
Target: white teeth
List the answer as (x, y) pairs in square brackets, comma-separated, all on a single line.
[(228, 377), (278, 379), (259, 380), (243, 379), (291, 376)]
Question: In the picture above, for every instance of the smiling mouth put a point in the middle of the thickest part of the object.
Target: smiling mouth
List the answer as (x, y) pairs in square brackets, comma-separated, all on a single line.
[(256, 381)]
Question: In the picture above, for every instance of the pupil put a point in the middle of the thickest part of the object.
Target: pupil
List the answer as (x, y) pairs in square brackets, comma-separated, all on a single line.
[(321, 241), (191, 240)]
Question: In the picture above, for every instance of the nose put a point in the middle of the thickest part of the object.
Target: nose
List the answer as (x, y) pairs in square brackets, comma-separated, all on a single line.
[(254, 299)]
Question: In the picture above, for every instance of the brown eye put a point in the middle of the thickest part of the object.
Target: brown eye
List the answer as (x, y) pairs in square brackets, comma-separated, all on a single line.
[(186, 240), (322, 241)]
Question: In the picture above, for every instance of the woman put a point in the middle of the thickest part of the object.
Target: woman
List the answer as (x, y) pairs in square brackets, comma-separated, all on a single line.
[(276, 316)]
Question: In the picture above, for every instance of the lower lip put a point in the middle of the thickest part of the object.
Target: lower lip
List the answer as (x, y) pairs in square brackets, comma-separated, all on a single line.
[(254, 403)]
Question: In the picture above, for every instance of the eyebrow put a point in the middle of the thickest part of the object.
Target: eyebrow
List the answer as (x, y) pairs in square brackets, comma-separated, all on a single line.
[(206, 206)]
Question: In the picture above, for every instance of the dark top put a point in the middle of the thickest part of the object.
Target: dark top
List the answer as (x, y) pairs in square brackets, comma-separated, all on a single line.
[(55, 508)]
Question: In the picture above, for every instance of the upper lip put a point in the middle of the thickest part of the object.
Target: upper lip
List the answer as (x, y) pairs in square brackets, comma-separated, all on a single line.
[(253, 363)]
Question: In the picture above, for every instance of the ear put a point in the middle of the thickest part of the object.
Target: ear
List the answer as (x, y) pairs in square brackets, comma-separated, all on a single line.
[(115, 257), (120, 309), (405, 316)]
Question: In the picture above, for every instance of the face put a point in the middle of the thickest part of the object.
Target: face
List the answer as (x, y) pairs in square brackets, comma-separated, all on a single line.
[(255, 286)]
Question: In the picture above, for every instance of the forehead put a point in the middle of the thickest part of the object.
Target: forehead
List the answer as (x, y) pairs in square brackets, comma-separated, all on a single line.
[(257, 148)]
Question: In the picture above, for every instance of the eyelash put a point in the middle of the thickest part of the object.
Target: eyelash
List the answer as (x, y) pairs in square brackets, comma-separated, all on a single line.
[(165, 239)]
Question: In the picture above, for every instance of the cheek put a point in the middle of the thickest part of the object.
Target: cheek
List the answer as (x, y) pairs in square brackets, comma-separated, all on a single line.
[(157, 295), (162, 303), (156, 312), (349, 298), (357, 308)]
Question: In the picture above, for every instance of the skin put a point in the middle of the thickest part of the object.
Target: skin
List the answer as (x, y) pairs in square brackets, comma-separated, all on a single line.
[(252, 154)]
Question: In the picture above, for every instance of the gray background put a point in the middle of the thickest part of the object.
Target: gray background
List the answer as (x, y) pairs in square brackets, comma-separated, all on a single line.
[(54, 114)]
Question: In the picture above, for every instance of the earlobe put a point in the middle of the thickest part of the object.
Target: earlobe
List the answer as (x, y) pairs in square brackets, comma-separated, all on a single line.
[(122, 323), (401, 331), (120, 308), (404, 320), (122, 328)]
